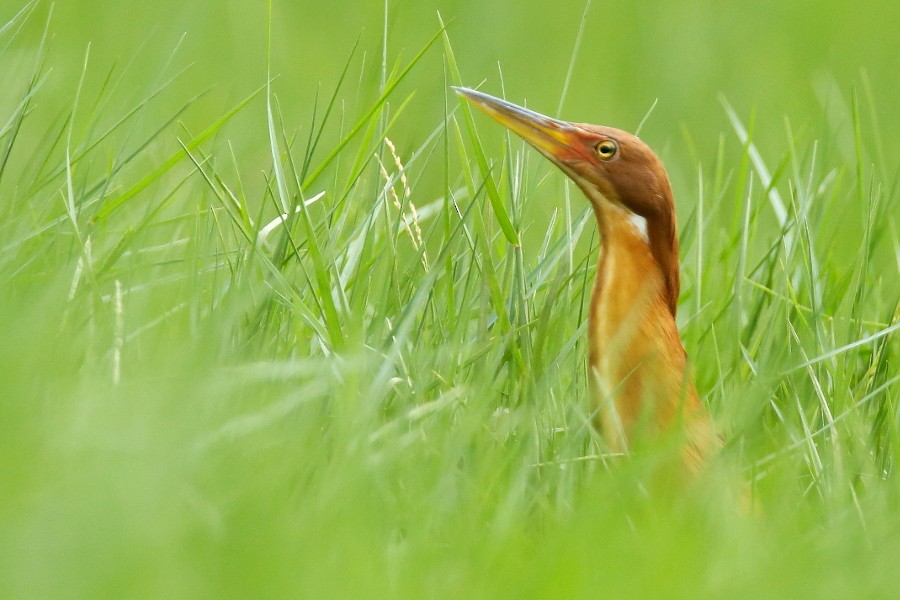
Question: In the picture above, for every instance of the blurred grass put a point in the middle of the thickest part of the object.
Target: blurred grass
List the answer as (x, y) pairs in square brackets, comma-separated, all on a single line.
[(217, 381)]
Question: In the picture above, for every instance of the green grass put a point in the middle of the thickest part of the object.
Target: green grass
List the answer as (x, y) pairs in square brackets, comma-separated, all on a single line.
[(382, 393)]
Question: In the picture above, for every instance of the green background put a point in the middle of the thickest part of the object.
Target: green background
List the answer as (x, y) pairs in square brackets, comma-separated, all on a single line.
[(346, 410), (784, 60)]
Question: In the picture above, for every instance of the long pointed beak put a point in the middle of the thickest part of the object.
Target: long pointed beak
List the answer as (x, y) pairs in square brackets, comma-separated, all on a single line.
[(557, 139)]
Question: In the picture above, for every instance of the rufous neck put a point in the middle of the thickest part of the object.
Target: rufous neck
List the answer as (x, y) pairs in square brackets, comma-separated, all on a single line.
[(637, 253)]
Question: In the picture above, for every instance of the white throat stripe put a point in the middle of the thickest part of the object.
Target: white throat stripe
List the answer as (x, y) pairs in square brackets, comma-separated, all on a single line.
[(639, 223)]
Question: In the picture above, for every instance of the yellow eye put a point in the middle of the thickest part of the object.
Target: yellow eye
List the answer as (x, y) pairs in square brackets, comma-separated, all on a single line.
[(607, 149)]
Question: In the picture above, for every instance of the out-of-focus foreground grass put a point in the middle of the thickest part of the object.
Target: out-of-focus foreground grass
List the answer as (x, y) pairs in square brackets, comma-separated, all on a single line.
[(381, 393)]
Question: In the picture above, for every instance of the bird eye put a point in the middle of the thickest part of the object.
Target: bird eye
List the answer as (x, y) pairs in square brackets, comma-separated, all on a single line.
[(607, 149)]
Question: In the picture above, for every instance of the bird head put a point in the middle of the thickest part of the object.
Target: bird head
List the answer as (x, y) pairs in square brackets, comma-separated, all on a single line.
[(609, 164), (615, 170)]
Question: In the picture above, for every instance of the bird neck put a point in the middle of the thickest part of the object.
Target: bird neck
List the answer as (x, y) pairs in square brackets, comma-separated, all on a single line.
[(629, 278), (634, 296), (639, 254)]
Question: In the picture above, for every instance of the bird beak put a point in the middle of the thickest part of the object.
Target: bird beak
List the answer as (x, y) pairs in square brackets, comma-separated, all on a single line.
[(557, 139)]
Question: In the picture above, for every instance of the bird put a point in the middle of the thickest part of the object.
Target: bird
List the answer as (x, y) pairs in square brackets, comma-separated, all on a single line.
[(638, 374)]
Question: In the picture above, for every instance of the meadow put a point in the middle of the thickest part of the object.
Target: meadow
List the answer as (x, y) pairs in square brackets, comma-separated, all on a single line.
[(280, 316)]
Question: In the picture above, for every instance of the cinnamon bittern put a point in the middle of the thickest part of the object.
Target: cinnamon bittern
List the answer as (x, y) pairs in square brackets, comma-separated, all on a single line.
[(637, 363)]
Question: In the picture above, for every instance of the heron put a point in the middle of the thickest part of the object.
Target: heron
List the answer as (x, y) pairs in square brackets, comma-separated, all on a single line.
[(637, 366)]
